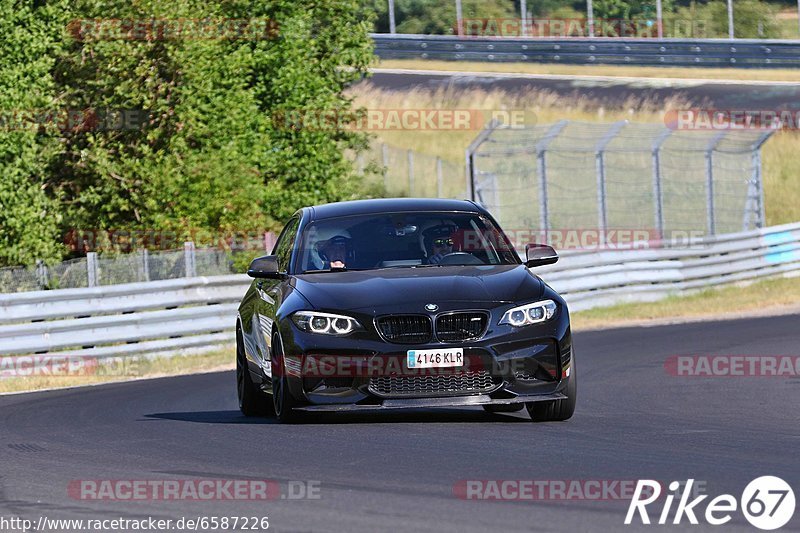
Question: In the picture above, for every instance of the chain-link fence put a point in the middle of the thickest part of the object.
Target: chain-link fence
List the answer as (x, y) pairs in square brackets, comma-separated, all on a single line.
[(413, 174), (113, 269), (573, 175)]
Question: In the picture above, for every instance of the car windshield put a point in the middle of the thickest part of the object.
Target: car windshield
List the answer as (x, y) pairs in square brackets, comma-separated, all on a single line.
[(403, 240)]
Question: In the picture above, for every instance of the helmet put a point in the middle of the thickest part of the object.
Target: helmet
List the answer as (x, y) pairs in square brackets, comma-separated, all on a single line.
[(321, 238), (434, 233)]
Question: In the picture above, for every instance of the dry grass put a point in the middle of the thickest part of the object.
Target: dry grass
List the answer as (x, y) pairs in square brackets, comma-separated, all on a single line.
[(599, 70), (733, 300), (124, 369), (781, 165)]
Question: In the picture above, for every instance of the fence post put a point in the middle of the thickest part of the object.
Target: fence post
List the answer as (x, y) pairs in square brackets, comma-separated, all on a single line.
[(759, 178), (711, 226), (600, 163), (385, 158), (439, 177), (410, 173), (470, 155), (188, 259), (42, 275), (92, 273), (658, 193), (541, 148), (144, 264)]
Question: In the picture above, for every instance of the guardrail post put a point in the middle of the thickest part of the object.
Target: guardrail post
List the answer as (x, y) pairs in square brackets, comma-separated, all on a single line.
[(92, 273), (711, 224), (439, 177), (459, 18), (602, 214), (42, 274), (658, 193), (392, 26), (541, 165), (189, 259), (144, 264)]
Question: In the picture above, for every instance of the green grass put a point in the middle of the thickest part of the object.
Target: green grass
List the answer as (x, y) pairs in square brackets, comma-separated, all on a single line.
[(737, 299)]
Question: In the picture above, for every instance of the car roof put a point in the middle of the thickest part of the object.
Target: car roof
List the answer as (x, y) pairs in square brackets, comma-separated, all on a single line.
[(388, 205)]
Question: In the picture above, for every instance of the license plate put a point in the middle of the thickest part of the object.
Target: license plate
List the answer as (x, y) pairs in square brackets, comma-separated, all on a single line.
[(435, 358)]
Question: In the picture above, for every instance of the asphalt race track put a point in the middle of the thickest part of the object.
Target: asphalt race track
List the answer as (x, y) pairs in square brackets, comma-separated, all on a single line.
[(606, 91), (396, 471)]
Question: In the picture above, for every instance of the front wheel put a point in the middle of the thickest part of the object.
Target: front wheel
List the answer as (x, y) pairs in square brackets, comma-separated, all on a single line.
[(557, 410), (282, 400), (252, 401)]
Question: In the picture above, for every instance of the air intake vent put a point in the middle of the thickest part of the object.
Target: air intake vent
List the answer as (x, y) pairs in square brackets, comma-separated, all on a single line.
[(438, 385), (461, 326), (405, 329)]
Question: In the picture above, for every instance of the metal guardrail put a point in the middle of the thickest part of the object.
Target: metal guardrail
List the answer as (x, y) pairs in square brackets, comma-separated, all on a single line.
[(590, 279), (166, 316), (587, 51), (142, 318)]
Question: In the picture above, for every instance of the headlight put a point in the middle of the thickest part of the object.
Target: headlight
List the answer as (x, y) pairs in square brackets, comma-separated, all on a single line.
[(325, 323), (525, 315)]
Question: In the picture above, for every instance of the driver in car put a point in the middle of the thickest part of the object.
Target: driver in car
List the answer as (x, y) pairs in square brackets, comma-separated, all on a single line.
[(441, 247), (334, 252)]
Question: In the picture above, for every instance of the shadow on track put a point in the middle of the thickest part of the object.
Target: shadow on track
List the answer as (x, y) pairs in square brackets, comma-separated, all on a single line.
[(415, 416), (210, 417)]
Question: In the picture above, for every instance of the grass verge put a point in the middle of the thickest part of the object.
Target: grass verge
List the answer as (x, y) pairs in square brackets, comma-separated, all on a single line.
[(737, 300), (624, 71), (88, 371)]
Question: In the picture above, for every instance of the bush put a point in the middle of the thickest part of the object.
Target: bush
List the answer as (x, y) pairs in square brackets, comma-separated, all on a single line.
[(208, 151)]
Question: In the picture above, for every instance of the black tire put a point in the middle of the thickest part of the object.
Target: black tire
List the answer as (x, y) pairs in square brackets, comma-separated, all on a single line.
[(252, 400), (282, 401), (557, 410), (511, 408)]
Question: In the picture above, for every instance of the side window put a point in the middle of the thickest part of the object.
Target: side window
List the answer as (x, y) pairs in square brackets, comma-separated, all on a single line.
[(285, 244)]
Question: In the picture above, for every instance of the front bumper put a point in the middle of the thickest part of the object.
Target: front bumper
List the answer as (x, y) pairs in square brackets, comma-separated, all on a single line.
[(516, 365), (418, 403)]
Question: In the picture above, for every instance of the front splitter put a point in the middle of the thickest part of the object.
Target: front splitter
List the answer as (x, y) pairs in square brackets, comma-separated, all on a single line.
[(416, 403)]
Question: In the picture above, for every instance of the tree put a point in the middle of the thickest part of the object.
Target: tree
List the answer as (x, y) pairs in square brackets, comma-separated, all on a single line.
[(29, 217), (211, 154)]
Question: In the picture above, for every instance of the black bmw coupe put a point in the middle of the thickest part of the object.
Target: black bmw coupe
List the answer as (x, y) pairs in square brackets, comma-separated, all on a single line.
[(402, 303)]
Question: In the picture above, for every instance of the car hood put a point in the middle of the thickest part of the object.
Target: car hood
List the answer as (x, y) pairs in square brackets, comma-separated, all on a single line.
[(398, 288)]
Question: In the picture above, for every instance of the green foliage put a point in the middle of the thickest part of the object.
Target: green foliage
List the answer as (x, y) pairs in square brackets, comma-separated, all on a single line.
[(436, 17), (201, 148), (752, 19), (682, 18), (29, 217)]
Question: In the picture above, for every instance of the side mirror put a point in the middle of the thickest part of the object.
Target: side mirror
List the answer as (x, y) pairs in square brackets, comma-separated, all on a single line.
[(539, 255), (265, 267)]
